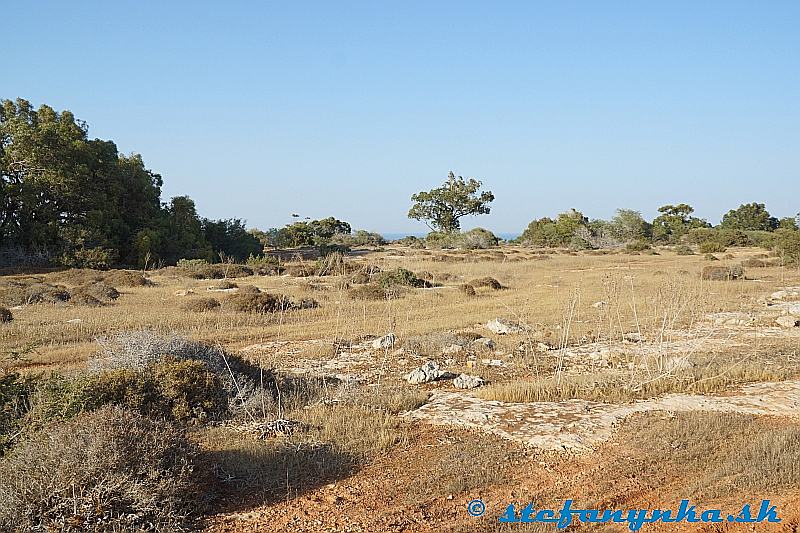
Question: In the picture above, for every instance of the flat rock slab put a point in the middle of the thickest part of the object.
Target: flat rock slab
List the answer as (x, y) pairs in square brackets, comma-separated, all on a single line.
[(579, 425)]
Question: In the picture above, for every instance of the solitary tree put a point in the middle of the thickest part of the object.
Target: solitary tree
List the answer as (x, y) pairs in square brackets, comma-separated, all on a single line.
[(442, 208)]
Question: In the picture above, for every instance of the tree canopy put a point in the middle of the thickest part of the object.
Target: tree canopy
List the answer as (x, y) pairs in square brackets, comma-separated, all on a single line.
[(443, 207)]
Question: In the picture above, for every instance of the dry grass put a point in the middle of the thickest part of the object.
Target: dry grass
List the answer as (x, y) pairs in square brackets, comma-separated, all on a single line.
[(711, 455), (712, 373), (541, 297)]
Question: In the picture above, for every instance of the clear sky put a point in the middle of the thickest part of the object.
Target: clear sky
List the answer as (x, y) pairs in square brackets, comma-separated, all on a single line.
[(260, 109)]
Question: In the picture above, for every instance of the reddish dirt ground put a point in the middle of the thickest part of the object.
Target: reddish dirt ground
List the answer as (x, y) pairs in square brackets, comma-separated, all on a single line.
[(386, 495)]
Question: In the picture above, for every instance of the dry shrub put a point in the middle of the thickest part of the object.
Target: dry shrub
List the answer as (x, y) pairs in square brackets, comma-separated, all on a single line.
[(125, 278), (224, 285), (722, 273), (86, 276), (372, 291), (299, 271), (100, 290), (248, 289), (200, 305), (755, 263), (25, 292), (141, 350), (400, 277), (486, 282), (467, 289), (5, 315), (260, 302), (111, 470), (80, 297)]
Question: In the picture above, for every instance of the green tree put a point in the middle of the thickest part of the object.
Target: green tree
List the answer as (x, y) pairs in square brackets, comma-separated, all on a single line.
[(629, 225), (749, 217), (789, 223), (230, 238), (442, 208), (675, 221)]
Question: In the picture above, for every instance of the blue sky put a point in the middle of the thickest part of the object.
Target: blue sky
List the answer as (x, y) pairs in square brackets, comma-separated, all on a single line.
[(260, 109)]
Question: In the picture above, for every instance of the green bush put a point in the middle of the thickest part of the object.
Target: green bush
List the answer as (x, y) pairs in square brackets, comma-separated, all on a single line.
[(399, 277), (711, 247), (787, 244), (15, 391), (638, 246), (111, 470)]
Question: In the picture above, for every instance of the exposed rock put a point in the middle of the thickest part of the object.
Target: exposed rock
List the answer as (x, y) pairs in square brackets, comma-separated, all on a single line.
[(599, 305), (503, 327), (452, 348), (789, 293), (493, 362), (184, 292), (729, 319), (483, 343), (426, 373), (788, 321), (794, 309), (381, 343), (633, 337), (465, 381)]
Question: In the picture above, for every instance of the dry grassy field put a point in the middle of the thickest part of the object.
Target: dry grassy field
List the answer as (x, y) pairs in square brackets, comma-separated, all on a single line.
[(599, 393)]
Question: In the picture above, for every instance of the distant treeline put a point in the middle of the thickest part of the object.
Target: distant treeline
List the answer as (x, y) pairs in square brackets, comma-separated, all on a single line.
[(70, 200)]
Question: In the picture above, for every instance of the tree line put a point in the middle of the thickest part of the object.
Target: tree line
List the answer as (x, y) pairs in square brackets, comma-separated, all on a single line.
[(76, 201)]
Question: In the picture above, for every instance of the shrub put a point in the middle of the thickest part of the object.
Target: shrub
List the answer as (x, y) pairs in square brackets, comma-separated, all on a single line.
[(486, 282), (467, 289), (264, 265), (98, 257), (201, 269), (711, 247), (14, 400), (638, 246), (5, 315), (372, 291), (140, 350), (111, 470), (787, 244), (411, 241), (224, 285), (722, 273), (399, 277), (26, 292), (683, 250), (99, 290), (260, 302), (79, 297), (201, 305), (477, 238)]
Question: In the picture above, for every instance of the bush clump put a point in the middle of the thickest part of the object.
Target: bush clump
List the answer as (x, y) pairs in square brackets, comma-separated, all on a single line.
[(110, 470), (722, 273), (200, 305), (400, 277), (201, 269), (467, 289), (260, 302), (5, 315), (712, 247), (99, 290), (683, 250), (486, 282), (373, 291)]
